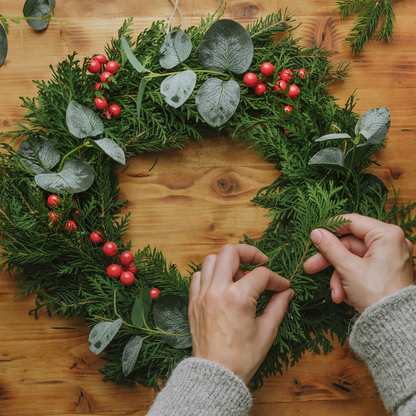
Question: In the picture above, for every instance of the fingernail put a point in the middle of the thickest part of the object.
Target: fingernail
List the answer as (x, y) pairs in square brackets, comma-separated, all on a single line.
[(291, 295), (332, 294), (316, 237)]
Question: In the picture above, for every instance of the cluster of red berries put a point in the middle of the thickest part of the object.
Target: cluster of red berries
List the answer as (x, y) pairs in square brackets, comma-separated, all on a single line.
[(97, 65), (267, 69), (53, 201)]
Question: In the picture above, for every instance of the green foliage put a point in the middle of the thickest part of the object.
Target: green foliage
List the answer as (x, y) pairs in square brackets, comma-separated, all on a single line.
[(68, 271), (370, 13)]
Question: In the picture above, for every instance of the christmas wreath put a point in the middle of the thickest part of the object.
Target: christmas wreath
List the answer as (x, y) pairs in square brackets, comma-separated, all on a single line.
[(60, 202)]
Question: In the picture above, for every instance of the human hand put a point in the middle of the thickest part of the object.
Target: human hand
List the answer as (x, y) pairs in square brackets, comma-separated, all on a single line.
[(372, 263), (222, 310)]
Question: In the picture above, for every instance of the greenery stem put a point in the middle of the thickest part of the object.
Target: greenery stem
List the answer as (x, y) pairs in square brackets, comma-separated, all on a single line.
[(70, 153), (46, 17), (153, 75)]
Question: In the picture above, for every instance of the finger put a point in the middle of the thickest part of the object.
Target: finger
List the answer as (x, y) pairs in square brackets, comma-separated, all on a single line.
[(333, 250), (318, 262), (261, 279), (409, 247), (274, 312), (239, 275), (195, 287), (337, 289), (229, 259), (207, 272)]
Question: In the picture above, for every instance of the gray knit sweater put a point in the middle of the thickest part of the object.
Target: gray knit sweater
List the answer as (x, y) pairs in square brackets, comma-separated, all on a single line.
[(384, 336)]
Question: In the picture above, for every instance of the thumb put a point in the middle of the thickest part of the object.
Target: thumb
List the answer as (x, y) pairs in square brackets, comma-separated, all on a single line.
[(332, 248), (274, 312)]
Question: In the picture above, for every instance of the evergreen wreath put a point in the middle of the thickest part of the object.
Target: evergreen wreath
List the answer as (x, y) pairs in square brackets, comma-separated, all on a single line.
[(146, 333)]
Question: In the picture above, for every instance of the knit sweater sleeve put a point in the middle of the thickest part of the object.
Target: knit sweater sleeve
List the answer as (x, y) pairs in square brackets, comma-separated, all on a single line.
[(384, 336), (202, 388)]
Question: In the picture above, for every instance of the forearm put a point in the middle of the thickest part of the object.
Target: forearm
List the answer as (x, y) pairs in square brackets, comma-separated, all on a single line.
[(202, 388), (384, 336)]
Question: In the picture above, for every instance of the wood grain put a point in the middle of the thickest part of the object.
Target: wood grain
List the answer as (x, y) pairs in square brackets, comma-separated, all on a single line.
[(192, 202)]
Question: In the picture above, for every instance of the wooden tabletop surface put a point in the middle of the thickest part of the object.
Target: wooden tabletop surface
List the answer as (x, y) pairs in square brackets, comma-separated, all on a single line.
[(193, 201)]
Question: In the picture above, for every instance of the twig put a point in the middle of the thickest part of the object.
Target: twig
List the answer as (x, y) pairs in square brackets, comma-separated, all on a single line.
[(301, 260)]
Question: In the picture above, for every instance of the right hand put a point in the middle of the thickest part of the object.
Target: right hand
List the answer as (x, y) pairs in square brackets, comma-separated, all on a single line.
[(373, 262)]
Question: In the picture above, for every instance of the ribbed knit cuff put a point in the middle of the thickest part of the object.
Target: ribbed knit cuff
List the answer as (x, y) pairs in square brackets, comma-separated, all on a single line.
[(202, 388), (384, 336)]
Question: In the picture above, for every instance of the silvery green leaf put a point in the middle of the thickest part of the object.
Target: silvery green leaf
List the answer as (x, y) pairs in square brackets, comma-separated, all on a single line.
[(111, 148), (226, 46), (170, 314), (175, 49), (330, 158), (141, 307), (176, 89), (38, 8), (130, 354), (3, 45), (47, 155), (76, 176), (372, 185), (140, 93), (374, 124), (217, 100), (130, 56), (334, 136), (102, 334), (83, 122), (360, 151)]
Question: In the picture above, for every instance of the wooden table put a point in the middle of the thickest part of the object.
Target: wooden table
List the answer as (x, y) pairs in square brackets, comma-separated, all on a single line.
[(193, 202)]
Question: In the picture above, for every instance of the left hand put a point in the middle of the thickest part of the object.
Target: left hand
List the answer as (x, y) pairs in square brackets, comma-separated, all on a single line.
[(222, 310)]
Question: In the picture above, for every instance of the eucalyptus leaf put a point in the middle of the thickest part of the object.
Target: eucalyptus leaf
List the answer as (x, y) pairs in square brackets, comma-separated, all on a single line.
[(170, 314), (41, 156), (38, 8), (217, 100), (130, 56), (140, 93), (111, 148), (141, 307), (372, 185), (374, 124), (102, 334), (226, 46), (76, 176), (175, 49), (360, 151), (330, 158), (334, 136), (130, 354), (82, 121), (176, 89), (4, 45)]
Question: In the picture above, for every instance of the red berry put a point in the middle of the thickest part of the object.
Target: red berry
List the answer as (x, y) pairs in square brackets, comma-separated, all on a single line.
[(114, 270), (288, 133), (288, 109), (96, 237), (280, 85), (110, 249), (131, 268), (250, 79), (267, 69), (97, 86), (127, 278), (101, 103), (286, 75), (102, 59), (154, 293), (127, 257), (70, 226), (81, 240), (94, 67), (293, 91), (260, 89), (114, 110), (104, 77), (303, 73), (76, 212), (53, 216), (246, 272), (53, 201), (112, 66)]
